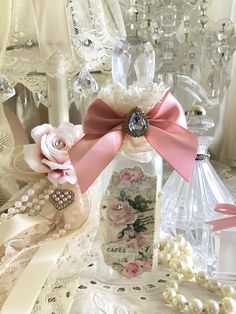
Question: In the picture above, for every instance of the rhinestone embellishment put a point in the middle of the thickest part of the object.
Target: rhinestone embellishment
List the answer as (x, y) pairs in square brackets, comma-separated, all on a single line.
[(61, 198), (136, 122)]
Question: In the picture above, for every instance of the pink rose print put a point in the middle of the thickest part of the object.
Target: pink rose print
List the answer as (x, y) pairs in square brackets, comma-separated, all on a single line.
[(147, 265), (135, 242), (121, 214), (132, 269), (49, 154), (131, 175)]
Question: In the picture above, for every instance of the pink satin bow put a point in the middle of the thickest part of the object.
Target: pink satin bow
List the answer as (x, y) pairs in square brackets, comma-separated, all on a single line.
[(105, 133), (224, 223)]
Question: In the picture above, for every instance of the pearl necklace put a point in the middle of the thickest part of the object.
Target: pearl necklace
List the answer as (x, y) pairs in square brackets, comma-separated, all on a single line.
[(176, 252), (33, 201)]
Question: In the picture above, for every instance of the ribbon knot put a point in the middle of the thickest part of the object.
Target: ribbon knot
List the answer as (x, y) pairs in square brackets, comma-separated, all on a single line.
[(105, 133), (224, 223)]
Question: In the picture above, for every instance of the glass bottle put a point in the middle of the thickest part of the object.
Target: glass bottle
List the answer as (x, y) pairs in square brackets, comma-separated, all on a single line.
[(186, 206), (130, 207)]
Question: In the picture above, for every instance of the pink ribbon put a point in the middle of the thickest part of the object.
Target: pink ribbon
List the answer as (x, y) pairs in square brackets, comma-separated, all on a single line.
[(105, 133), (224, 223)]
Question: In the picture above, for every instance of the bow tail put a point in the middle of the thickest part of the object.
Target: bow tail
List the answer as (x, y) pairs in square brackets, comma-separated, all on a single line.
[(91, 154), (177, 146), (222, 224)]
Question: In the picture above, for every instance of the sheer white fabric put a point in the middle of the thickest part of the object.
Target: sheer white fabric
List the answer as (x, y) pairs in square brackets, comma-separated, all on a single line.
[(94, 27)]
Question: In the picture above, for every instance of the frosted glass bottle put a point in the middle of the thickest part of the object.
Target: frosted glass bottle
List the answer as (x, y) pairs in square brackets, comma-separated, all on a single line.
[(130, 207), (130, 219)]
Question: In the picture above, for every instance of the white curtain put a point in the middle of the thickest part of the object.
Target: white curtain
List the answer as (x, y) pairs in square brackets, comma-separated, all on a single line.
[(225, 142)]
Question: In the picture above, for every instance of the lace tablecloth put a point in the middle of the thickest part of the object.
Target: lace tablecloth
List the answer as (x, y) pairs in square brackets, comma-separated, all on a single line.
[(73, 287)]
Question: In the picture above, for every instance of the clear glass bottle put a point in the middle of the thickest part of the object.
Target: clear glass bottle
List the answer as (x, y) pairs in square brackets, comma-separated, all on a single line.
[(186, 206), (130, 207)]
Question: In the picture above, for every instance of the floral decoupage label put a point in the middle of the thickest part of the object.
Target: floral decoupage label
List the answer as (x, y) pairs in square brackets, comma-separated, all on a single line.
[(128, 221)]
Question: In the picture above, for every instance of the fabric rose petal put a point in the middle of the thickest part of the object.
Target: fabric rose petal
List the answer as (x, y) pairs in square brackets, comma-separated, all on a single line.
[(49, 154), (105, 133)]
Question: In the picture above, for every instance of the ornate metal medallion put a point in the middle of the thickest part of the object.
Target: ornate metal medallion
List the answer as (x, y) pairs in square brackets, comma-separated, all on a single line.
[(136, 122), (61, 198)]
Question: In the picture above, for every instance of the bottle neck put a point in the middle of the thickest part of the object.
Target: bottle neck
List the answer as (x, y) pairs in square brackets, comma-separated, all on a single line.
[(203, 144)]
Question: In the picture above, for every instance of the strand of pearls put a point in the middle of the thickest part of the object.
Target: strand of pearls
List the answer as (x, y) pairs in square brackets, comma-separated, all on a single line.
[(31, 202), (177, 253)]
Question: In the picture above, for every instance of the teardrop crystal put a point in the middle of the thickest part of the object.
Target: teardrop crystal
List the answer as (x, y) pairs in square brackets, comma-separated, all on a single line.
[(137, 123)]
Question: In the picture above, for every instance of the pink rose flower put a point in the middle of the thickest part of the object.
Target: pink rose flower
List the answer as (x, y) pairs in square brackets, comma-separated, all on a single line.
[(49, 154), (132, 269), (131, 175), (121, 213)]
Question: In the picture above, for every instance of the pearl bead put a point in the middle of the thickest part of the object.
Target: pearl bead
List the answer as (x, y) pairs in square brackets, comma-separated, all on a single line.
[(25, 198), (172, 284), (211, 307), (36, 186), (228, 306), (18, 204), (55, 236), (180, 239), (201, 277), (62, 232), (30, 192), (187, 260), (41, 202), (67, 226), (195, 306), (171, 247), (22, 208), (188, 273), (3, 216), (226, 290), (29, 204), (179, 301), (12, 210), (186, 248), (213, 285), (176, 276), (164, 241), (177, 265), (37, 207), (46, 197), (168, 295)]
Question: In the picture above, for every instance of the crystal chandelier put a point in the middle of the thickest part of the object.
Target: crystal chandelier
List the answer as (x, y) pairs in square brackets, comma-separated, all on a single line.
[(186, 42)]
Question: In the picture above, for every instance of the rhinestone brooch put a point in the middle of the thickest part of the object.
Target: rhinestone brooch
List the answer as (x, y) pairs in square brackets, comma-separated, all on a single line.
[(136, 122)]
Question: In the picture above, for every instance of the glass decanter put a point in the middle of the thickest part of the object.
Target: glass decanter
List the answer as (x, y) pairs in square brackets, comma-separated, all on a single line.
[(130, 205), (186, 206)]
